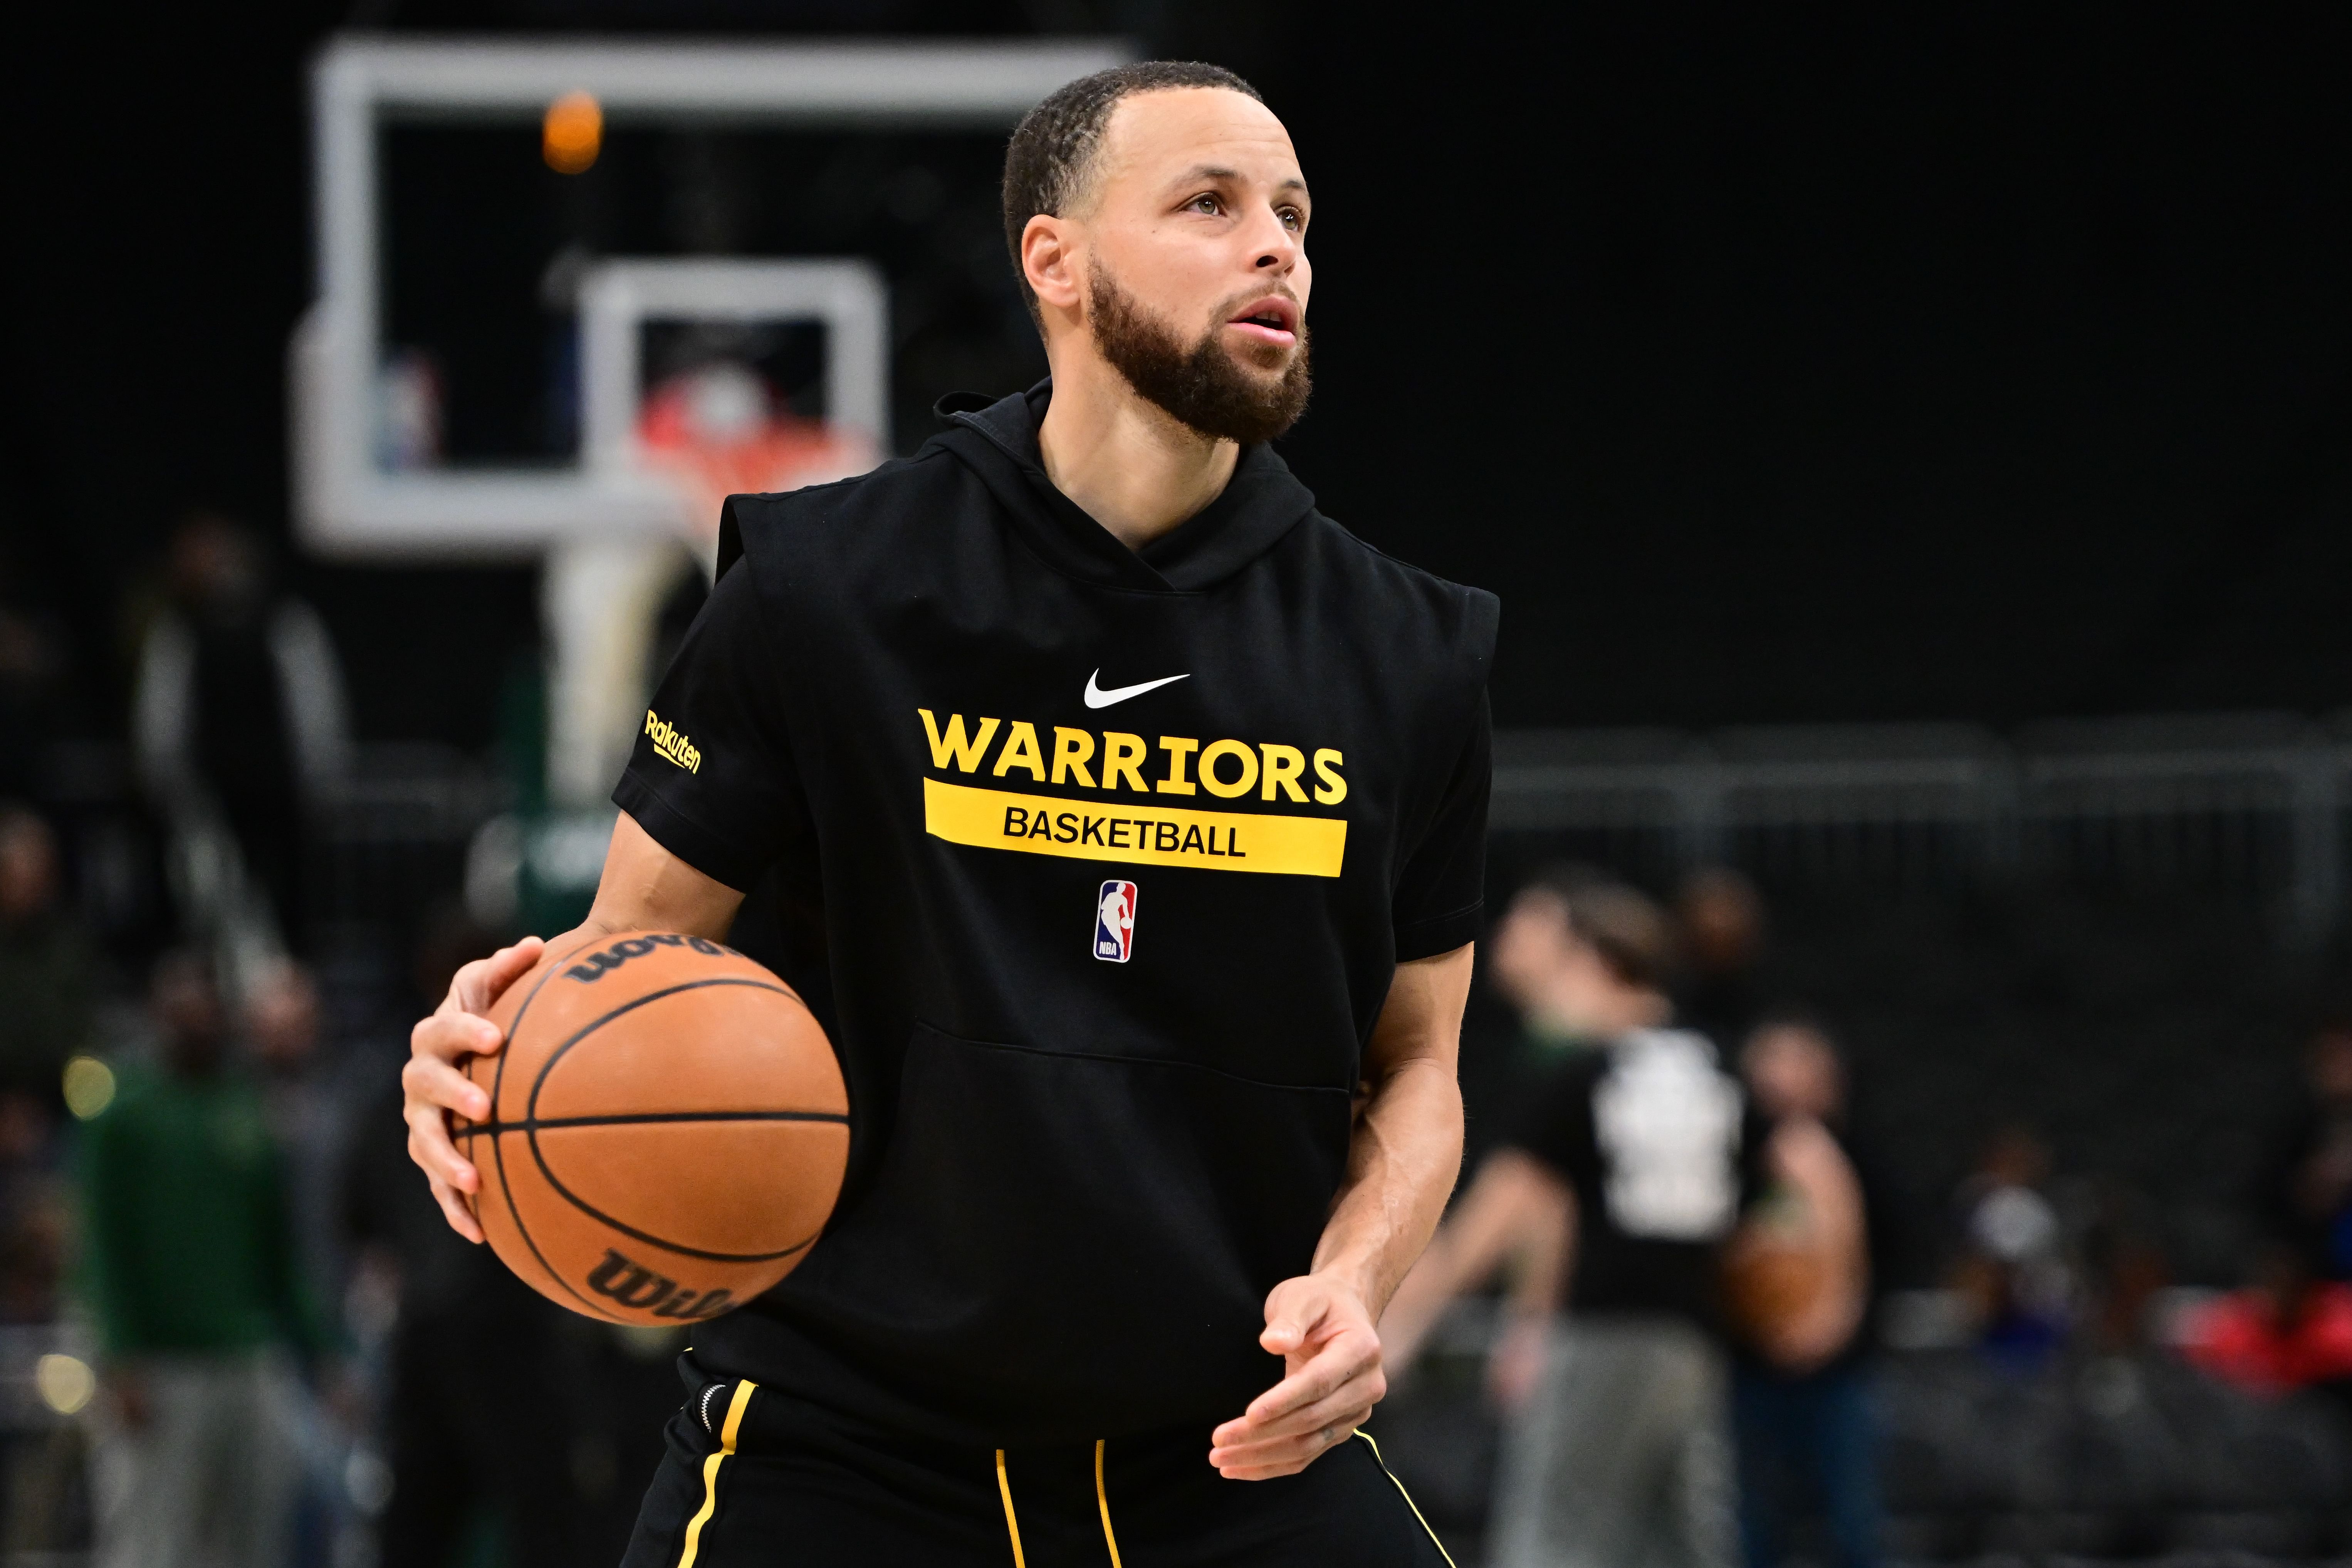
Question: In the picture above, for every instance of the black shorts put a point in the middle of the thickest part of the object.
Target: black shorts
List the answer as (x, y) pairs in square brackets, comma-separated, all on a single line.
[(776, 1482)]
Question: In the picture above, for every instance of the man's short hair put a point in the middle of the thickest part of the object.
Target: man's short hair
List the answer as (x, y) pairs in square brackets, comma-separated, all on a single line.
[(1624, 925), (1052, 150)]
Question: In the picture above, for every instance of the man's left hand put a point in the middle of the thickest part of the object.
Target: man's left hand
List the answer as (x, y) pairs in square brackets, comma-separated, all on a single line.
[(1331, 1359)]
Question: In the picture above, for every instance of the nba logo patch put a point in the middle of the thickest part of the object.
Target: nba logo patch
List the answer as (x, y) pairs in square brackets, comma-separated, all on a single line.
[(1115, 922)]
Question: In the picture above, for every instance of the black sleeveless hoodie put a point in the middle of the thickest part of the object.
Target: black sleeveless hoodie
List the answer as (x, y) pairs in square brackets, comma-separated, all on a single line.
[(1096, 864)]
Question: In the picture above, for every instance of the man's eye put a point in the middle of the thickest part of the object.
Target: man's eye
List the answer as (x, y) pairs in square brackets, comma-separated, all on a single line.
[(1293, 219), (1208, 204)]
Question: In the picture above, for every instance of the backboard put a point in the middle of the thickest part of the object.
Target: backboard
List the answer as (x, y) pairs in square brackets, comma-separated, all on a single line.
[(523, 247)]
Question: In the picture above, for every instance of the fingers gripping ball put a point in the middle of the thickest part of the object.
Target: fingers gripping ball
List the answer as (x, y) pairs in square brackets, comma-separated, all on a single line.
[(667, 1129)]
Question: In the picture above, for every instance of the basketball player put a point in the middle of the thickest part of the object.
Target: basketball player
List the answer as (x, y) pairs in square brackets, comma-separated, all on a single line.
[(1123, 1205), (1631, 1156)]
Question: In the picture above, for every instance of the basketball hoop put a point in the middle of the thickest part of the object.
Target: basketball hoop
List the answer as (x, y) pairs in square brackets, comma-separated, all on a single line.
[(715, 431)]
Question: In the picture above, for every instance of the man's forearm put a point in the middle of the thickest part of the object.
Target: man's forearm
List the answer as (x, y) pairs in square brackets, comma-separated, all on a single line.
[(646, 888), (1402, 1165)]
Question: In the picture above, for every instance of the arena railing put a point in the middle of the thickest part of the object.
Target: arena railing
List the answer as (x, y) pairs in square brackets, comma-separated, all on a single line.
[(2250, 807), (2247, 806)]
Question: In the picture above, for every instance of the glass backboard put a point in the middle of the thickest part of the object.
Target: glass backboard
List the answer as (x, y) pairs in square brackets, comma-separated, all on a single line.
[(798, 245)]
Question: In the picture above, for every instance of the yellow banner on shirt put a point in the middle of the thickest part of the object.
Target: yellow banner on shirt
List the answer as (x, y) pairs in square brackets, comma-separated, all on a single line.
[(1134, 834)]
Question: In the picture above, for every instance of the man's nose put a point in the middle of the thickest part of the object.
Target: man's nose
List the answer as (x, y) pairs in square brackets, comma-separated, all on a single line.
[(1278, 246)]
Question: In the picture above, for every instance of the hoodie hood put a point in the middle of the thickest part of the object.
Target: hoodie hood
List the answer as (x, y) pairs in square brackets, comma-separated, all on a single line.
[(998, 441)]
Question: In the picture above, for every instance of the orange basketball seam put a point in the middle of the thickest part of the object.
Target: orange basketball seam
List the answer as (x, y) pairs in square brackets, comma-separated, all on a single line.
[(498, 1148), (634, 1117), (539, 1084), (498, 1152), (651, 1240), (531, 1107)]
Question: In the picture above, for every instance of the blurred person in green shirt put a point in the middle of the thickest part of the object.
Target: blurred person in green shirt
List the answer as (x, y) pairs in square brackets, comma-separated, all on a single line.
[(191, 1269)]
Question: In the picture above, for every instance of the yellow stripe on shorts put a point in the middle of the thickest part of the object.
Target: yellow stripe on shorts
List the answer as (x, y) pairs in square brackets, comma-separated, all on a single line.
[(1384, 1464), (1012, 1524), (1103, 1498), (735, 1408)]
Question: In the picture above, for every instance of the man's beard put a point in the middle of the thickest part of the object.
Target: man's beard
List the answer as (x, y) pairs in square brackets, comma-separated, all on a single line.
[(1199, 386)]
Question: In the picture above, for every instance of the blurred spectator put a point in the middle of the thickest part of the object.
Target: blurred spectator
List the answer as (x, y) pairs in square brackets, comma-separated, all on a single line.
[(1720, 916), (44, 1017), (191, 1272), (306, 1115), (32, 669), (34, 1210), (2309, 1200), (478, 1410), (1632, 1158), (300, 1092), (45, 963), (1799, 1279), (2291, 1326), (2012, 1270), (239, 721), (2288, 1330)]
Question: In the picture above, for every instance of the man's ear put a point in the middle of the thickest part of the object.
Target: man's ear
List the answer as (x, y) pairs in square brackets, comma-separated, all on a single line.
[(1049, 260)]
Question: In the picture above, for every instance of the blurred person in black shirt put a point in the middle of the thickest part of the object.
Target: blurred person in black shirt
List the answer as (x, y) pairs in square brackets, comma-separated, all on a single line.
[(1799, 1278), (239, 720), (1627, 1164), (45, 963), (479, 1413)]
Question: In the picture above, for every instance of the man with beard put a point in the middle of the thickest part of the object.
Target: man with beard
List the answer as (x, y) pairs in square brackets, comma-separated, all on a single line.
[(1123, 1203)]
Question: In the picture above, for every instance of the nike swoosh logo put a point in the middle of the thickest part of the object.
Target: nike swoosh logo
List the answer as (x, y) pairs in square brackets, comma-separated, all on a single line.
[(1097, 698)]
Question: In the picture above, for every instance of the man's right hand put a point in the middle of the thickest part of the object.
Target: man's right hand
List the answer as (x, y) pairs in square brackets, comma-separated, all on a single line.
[(432, 1087), (645, 888)]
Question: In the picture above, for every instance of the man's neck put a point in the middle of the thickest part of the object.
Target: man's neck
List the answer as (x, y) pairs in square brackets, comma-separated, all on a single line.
[(1125, 461)]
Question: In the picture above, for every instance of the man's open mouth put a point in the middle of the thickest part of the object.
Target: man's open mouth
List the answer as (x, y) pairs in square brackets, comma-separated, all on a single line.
[(1273, 319)]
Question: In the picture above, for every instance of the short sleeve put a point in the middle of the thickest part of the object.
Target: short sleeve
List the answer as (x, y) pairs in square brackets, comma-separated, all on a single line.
[(711, 778), (1441, 894)]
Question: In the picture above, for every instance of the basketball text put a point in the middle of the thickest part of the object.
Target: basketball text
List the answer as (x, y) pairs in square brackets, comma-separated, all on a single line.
[(1136, 834), (596, 965), (638, 1287)]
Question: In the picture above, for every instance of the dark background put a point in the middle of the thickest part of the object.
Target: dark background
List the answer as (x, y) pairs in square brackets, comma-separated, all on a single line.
[(1946, 363)]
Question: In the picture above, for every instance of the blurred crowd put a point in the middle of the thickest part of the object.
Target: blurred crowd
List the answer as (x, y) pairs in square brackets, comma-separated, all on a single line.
[(1695, 1267), (235, 1330)]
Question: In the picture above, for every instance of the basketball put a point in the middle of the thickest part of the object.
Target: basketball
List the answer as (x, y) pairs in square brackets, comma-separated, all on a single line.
[(1773, 1272), (667, 1129)]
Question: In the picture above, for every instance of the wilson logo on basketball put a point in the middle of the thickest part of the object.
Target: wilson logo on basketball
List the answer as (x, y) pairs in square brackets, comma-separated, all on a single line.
[(634, 1285), (596, 965)]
